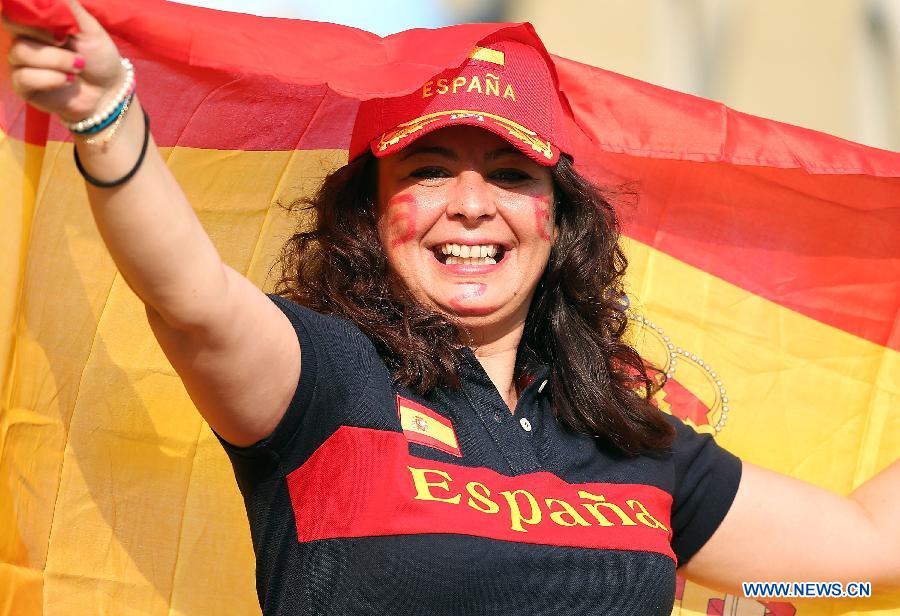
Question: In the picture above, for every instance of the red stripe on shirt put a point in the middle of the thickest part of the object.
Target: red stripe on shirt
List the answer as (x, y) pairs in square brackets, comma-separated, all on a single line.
[(363, 483)]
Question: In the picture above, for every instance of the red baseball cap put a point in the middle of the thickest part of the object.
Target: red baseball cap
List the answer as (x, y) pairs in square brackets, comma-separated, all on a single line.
[(505, 86)]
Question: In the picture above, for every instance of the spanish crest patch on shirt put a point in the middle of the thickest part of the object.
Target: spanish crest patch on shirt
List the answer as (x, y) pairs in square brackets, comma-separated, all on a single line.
[(426, 427)]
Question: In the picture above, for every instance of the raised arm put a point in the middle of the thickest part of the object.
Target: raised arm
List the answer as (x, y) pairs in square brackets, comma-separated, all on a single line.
[(781, 529), (235, 351)]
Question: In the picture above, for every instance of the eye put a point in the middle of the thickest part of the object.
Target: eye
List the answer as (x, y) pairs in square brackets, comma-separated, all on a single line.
[(510, 176), (430, 173)]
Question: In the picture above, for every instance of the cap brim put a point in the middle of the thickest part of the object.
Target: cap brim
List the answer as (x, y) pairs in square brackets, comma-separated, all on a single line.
[(525, 140)]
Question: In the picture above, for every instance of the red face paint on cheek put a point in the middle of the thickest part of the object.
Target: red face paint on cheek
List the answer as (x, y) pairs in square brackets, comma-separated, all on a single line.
[(542, 223), (402, 219)]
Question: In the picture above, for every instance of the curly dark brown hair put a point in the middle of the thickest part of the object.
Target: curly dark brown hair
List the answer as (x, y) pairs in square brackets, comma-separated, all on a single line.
[(599, 384)]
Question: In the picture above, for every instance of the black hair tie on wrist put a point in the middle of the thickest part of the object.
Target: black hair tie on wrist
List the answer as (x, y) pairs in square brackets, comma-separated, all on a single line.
[(92, 180)]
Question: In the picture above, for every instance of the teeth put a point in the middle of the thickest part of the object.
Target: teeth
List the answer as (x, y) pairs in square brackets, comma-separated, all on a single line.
[(466, 251), (471, 261)]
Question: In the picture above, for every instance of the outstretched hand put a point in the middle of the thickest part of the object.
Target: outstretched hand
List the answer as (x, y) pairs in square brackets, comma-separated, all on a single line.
[(72, 77)]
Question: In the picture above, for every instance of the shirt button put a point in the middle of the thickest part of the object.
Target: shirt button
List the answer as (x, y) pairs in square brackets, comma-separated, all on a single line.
[(543, 385), (526, 425), (497, 417)]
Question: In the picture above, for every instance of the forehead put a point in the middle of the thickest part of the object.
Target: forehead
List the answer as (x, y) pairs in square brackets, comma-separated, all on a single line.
[(458, 142)]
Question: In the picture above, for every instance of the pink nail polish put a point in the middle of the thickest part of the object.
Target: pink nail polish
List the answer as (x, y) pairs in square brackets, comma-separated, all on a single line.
[(79, 63), (69, 76)]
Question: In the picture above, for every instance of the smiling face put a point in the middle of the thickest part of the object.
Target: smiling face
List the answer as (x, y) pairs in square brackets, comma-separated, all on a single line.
[(466, 221)]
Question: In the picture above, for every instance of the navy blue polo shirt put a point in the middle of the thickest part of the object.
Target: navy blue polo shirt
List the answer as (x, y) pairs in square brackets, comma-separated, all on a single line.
[(369, 498)]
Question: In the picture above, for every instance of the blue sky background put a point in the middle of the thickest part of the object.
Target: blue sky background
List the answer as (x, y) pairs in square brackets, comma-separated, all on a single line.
[(382, 17)]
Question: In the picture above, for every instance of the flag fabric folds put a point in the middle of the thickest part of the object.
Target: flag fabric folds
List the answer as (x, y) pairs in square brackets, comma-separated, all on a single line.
[(764, 277)]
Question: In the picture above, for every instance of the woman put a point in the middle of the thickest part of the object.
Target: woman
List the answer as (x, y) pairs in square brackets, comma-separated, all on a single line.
[(462, 442)]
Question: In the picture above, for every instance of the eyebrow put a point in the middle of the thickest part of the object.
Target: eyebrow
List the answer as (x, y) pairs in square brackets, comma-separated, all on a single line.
[(450, 154), (500, 153), (436, 149)]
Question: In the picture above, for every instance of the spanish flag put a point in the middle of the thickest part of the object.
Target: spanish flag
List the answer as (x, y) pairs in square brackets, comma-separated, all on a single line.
[(765, 278), (427, 427)]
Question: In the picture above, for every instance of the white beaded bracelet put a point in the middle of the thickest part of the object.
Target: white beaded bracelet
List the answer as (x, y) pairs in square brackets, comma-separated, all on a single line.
[(85, 125)]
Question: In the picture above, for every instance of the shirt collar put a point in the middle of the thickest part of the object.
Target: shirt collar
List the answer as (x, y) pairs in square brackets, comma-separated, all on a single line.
[(471, 368)]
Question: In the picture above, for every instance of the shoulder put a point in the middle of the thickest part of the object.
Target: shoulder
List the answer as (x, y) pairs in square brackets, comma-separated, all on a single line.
[(307, 318), (337, 364), (705, 478), (327, 336)]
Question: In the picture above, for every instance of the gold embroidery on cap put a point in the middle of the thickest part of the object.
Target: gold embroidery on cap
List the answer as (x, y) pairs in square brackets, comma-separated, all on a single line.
[(527, 136), (488, 55)]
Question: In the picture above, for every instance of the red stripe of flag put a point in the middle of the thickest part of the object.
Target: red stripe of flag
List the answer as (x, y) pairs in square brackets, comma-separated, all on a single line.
[(825, 245)]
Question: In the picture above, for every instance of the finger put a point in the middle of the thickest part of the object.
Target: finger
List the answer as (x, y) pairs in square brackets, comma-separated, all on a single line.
[(28, 81), (86, 22), (38, 34), (28, 52)]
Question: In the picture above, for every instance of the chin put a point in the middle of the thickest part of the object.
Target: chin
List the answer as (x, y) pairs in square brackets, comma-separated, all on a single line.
[(465, 311), (473, 301), (476, 310), (478, 316)]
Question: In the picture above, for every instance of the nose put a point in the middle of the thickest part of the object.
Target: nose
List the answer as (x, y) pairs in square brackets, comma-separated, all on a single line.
[(471, 197)]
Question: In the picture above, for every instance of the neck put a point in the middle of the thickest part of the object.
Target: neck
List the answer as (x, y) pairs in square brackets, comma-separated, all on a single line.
[(497, 355)]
